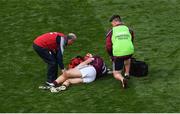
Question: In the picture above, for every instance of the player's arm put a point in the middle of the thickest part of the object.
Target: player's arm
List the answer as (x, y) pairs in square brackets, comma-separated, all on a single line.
[(86, 62)]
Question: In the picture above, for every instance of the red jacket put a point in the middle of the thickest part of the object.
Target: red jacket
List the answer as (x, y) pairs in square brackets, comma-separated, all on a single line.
[(53, 41), (48, 40), (109, 41)]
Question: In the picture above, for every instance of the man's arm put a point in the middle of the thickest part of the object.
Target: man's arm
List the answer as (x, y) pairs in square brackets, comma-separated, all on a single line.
[(132, 34), (60, 52), (60, 59), (109, 43)]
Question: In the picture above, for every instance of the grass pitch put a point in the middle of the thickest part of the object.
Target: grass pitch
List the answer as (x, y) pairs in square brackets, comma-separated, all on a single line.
[(156, 26)]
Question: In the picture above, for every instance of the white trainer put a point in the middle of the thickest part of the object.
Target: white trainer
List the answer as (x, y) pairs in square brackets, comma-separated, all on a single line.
[(61, 88), (54, 90)]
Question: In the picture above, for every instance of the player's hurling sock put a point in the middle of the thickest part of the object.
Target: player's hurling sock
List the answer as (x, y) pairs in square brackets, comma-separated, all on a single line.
[(55, 83)]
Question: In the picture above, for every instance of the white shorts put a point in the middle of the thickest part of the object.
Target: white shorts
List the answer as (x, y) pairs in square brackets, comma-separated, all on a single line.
[(88, 73)]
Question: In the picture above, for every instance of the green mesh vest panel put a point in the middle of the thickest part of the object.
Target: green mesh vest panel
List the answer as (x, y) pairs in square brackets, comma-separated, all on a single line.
[(121, 40)]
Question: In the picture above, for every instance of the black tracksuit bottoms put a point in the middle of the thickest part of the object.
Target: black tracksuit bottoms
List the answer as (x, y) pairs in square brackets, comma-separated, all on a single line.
[(51, 59)]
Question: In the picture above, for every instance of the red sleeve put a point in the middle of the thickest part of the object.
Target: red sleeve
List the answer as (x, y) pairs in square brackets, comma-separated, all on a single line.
[(132, 34), (60, 34), (109, 43)]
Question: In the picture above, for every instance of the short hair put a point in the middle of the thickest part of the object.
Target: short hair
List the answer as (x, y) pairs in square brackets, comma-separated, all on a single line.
[(115, 17), (71, 36)]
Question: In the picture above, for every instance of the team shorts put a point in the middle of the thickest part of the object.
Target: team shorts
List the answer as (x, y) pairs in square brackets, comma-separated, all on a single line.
[(88, 73)]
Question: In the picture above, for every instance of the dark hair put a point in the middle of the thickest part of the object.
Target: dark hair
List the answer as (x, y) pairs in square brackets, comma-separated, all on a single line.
[(115, 17)]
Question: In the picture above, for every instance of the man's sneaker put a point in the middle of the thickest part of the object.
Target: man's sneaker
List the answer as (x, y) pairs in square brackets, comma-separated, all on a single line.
[(47, 86), (44, 87), (127, 76), (125, 83)]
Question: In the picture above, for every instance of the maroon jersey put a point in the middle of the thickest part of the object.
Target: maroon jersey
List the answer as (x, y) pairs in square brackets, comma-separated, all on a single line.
[(48, 40), (99, 65)]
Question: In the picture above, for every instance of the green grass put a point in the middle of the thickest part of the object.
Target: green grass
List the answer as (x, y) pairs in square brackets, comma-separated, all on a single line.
[(156, 24)]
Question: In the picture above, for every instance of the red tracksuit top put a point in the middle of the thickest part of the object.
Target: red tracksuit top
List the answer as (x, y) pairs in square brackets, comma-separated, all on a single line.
[(48, 40)]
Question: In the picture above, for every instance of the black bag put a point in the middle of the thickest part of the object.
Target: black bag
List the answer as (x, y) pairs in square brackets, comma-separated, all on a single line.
[(138, 68)]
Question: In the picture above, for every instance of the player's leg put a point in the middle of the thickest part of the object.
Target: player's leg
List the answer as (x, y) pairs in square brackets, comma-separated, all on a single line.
[(70, 81), (66, 84), (88, 74), (71, 73)]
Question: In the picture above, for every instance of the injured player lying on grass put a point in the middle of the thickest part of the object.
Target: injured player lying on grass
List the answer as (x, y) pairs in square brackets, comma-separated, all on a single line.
[(87, 71)]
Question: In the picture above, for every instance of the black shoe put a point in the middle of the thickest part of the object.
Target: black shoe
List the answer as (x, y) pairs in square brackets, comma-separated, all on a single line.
[(125, 83)]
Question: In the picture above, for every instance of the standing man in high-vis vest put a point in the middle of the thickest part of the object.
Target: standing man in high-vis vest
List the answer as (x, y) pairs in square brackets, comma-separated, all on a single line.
[(119, 45), (50, 47)]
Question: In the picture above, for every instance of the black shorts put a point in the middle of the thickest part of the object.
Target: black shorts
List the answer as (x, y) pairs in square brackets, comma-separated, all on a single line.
[(118, 62)]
